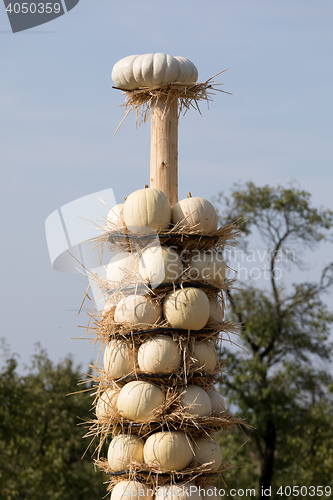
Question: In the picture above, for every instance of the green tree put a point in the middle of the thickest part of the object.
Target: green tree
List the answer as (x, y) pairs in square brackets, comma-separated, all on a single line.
[(282, 387), (41, 443)]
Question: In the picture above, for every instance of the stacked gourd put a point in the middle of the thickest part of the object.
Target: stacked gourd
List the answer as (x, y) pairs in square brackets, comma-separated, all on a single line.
[(156, 394)]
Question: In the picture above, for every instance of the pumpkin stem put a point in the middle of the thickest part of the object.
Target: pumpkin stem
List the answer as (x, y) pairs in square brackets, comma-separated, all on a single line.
[(146, 185), (189, 195)]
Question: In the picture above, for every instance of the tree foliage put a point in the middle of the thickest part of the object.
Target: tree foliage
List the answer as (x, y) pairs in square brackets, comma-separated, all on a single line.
[(41, 443), (283, 386)]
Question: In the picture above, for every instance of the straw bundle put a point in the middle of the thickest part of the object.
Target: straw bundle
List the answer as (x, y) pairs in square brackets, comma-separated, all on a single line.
[(187, 96)]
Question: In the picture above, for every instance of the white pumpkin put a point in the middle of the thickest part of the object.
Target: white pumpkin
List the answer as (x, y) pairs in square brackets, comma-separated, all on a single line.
[(106, 403), (207, 450), (186, 308), (179, 491), (148, 70), (160, 264), (137, 309), (209, 265), (210, 492), (123, 449), (118, 359), (217, 401), (204, 356), (196, 212), (147, 207), (120, 266), (159, 354), (196, 401), (116, 215), (131, 490), (216, 311), (137, 400), (168, 450)]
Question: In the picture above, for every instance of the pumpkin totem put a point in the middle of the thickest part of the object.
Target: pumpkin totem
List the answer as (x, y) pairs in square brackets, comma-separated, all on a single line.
[(163, 319)]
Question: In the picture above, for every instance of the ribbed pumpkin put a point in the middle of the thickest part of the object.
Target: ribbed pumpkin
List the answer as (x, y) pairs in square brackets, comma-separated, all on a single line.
[(119, 266), (196, 212), (106, 403), (196, 401), (148, 70), (147, 207), (217, 401), (116, 215), (123, 449), (168, 450), (131, 490), (209, 265), (216, 311), (138, 399), (207, 450), (187, 309), (118, 359), (204, 356), (136, 309), (179, 491), (159, 354), (160, 264)]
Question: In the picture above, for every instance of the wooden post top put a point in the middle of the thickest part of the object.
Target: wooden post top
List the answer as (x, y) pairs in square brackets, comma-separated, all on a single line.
[(164, 148)]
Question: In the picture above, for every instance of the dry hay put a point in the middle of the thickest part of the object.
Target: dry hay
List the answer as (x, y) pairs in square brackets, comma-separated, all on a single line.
[(152, 476), (103, 329), (106, 330), (134, 284), (102, 326), (171, 415), (187, 96), (187, 374), (179, 237)]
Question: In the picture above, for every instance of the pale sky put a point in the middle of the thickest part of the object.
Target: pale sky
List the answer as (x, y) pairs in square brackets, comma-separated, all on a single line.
[(59, 114)]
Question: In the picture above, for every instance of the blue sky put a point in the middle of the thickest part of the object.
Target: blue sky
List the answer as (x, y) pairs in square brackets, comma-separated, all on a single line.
[(59, 114)]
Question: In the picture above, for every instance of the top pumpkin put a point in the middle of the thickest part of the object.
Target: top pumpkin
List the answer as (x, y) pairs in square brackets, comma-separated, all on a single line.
[(149, 70)]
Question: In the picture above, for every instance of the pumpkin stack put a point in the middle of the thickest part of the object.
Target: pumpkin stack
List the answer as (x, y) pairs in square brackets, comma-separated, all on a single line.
[(163, 319)]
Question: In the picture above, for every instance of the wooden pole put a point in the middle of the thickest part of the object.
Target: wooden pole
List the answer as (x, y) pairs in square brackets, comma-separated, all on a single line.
[(164, 148)]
